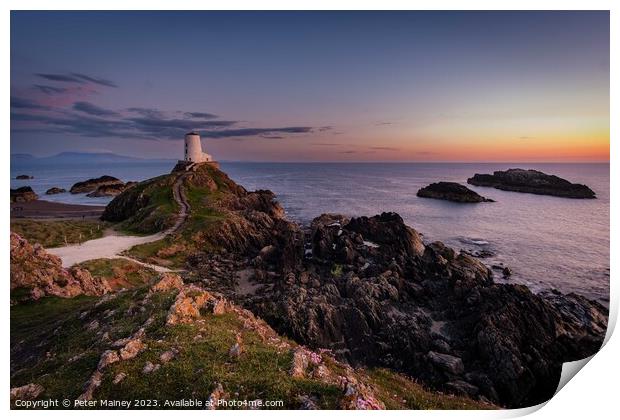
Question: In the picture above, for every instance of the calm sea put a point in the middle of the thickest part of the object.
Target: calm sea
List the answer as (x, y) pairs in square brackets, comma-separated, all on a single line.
[(548, 242)]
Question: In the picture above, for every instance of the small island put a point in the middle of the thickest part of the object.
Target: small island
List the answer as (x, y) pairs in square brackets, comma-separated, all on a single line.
[(452, 191), (91, 185), (55, 190), (533, 182), (24, 177), (110, 190)]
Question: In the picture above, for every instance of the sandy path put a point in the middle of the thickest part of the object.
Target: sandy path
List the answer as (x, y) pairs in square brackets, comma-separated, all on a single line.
[(112, 245)]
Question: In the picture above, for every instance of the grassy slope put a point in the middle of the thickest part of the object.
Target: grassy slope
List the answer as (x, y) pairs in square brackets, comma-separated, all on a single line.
[(205, 213), (119, 272), (51, 234), (50, 333), (161, 210)]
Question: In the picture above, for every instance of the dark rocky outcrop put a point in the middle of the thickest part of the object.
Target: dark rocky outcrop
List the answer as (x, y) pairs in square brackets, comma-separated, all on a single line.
[(110, 190), (376, 295), (55, 190), (533, 182), (23, 194), (92, 184), (451, 191), (24, 177), (41, 273)]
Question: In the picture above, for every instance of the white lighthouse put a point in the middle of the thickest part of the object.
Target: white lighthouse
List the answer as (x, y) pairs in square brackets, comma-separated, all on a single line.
[(193, 149)]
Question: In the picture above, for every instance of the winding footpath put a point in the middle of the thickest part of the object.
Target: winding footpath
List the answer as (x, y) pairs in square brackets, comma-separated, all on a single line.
[(112, 245)]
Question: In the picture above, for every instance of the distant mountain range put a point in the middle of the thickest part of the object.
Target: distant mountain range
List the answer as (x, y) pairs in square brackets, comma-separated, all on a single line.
[(66, 157)]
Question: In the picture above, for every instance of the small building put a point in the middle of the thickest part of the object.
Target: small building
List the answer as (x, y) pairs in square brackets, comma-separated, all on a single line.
[(193, 154), (193, 149)]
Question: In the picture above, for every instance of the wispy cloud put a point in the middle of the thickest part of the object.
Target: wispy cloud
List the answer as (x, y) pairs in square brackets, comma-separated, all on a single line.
[(23, 103), (60, 78), (68, 109), (204, 115), (80, 78), (50, 90), (384, 148), (96, 80), (91, 109)]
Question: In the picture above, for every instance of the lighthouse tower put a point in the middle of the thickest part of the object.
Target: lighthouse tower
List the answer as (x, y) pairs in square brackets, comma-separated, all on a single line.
[(193, 149)]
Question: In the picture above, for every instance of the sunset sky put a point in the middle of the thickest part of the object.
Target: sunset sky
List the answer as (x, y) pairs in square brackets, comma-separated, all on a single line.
[(313, 86)]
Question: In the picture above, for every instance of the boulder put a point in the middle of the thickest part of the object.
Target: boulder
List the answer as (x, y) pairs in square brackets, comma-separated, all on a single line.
[(446, 362), (23, 194), (55, 190), (451, 191), (533, 182)]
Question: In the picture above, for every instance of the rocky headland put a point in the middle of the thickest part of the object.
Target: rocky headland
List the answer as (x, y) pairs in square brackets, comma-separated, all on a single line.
[(533, 182), (373, 292), (361, 294), (451, 191)]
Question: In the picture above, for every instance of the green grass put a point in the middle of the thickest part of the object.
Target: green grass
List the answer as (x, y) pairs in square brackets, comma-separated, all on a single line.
[(47, 334), (119, 272), (57, 233), (148, 252), (160, 211), (400, 393)]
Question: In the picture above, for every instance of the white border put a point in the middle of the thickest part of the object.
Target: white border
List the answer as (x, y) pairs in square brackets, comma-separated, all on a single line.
[(591, 395)]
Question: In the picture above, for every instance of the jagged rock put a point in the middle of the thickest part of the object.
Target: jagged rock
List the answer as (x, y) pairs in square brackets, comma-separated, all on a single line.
[(186, 308), (533, 182), (91, 386), (237, 348), (215, 396), (131, 349), (447, 362), (55, 190), (451, 191), (33, 268), (119, 378), (168, 281), (107, 358), (26, 392), (428, 311), (168, 355), (358, 396), (92, 184), (23, 194), (459, 387), (149, 367), (300, 363)]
